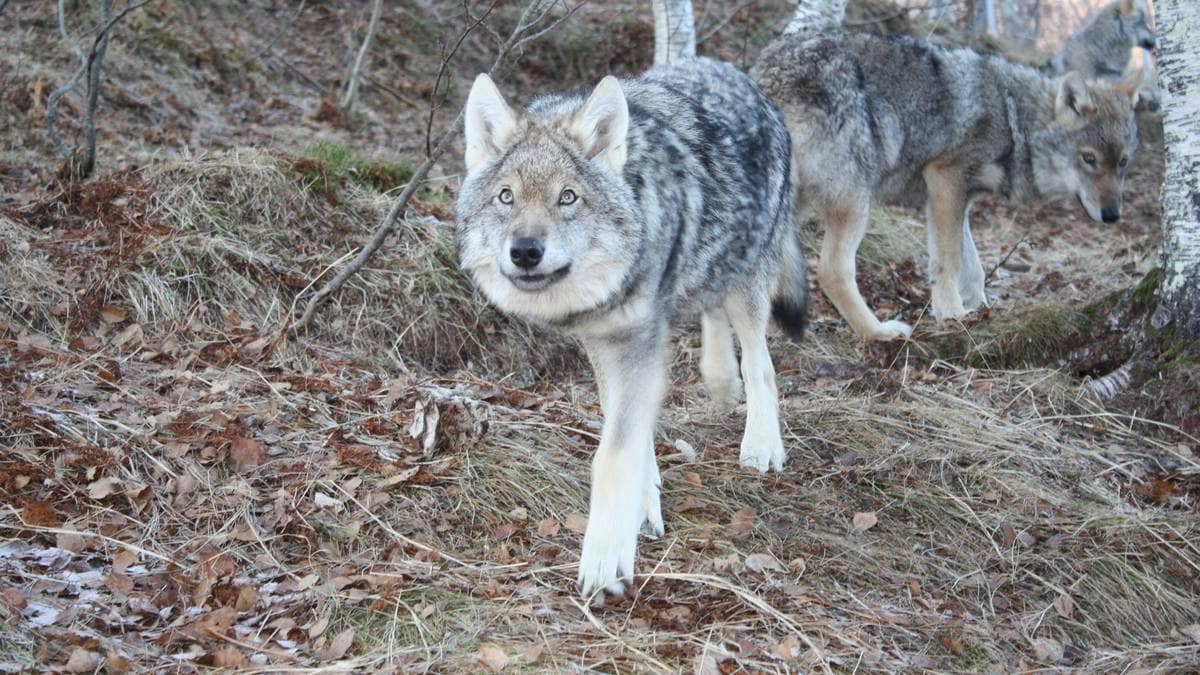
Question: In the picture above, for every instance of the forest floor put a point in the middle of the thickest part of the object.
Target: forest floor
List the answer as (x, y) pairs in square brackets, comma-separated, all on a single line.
[(185, 486)]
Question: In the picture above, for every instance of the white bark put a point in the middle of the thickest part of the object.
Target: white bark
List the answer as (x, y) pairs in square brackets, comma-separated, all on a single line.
[(674, 30), (356, 72), (814, 16), (1179, 72)]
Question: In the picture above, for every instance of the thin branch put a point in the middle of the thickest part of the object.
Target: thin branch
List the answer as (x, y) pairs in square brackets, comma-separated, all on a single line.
[(95, 64), (3, 4), (434, 103), (279, 34), (1005, 258), (356, 71), (515, 40), (724, 22), (90, 64), (52, 101)]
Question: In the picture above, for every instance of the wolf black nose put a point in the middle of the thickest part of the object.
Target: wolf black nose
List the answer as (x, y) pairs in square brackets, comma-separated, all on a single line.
[(1110, 214), (1147, 44), (526, 252)]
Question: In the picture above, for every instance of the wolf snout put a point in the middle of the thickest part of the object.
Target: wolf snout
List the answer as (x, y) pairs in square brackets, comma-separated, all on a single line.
[(1110, 214), (526, 252)]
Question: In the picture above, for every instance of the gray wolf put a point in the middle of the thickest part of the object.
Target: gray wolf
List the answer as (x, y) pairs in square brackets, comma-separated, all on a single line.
[(896, 119), (1102, 48), (611, 216)]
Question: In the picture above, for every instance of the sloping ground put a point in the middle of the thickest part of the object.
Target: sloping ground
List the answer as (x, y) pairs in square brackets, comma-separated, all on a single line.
[(404, 487), (185, 487)]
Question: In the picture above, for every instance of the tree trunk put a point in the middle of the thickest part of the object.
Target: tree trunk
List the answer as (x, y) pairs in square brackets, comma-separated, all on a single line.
[(983, 16), (813, 16), (356, 72), (674, 30), (1179, 72)]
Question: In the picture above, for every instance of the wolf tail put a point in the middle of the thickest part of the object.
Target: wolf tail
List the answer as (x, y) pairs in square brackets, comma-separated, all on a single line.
[(789, 303)]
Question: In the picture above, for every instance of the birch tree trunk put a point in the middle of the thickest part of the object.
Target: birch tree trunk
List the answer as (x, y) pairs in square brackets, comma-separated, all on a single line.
[(1179, 72), (674, 30), (814, 16), (347, 101)]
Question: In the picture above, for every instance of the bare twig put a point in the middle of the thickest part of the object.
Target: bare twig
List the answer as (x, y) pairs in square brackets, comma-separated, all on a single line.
[(356, 72), (266, 49), (1005, 258), (534, 12), (91, 64), (52, 101), (724, 22)]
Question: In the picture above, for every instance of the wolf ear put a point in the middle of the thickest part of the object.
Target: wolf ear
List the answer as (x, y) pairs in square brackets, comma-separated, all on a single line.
[(1126, 7), (601, 125), (488, 122), (1131, 84), (1074, 102)]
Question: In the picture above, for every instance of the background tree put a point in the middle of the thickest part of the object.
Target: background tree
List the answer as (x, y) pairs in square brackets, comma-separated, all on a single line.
[(674, 30), (1179, 71), (347, 101), (814, 15)]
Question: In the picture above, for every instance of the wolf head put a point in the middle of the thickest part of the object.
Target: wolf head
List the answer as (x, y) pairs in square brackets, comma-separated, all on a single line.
[(1131, 17), (1089, 144), (546, 225)]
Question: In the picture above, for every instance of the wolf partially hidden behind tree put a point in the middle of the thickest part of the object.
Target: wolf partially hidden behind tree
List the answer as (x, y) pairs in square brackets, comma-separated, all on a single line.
[(612, 216), (1103, 47), (897, 119)]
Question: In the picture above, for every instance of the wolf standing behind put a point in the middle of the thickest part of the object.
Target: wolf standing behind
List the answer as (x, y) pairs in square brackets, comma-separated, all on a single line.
[(611, 215), (904, 120), (1102, 48)]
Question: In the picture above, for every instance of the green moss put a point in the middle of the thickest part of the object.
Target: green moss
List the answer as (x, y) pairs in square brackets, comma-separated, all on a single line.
[(974, 659), (337, 164), (1145, 294)]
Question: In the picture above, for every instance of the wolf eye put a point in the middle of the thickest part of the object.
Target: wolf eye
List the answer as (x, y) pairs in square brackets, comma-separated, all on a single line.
[(505, 196), (1124, 161), (567, 197), (1089, 159)]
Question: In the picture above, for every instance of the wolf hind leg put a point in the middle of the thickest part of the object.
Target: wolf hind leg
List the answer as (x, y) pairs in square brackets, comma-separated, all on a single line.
[(946, 211), (718, 362), (970, 277), (762, 445), (652, 520), (844, 229)]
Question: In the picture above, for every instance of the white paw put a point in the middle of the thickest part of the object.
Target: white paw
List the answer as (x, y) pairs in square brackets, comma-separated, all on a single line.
[(947, 303), (609, 547), (724, 391), (890, 330), (762, 452), (652, 520), (974, 296)]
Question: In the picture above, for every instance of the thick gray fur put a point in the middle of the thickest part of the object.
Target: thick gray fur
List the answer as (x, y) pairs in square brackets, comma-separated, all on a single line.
[(690, 211), (900, 120)]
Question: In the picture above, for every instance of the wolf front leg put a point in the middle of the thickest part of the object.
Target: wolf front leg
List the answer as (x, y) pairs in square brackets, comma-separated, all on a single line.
[(946, 209), (625, 483)]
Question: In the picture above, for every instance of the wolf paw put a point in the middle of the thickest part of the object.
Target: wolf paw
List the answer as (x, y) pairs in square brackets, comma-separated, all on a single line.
[(974, 297), (725, 392), (607, 561), (762, 454), (652, 523), (891, 330)]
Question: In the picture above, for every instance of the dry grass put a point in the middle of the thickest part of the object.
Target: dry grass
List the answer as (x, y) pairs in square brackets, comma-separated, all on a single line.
[(174, 456)]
